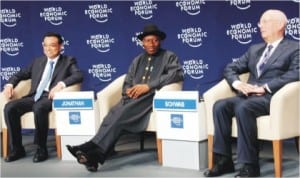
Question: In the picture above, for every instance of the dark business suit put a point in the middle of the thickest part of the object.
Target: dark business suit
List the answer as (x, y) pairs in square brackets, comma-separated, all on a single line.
[(282, 68), (66, 70)]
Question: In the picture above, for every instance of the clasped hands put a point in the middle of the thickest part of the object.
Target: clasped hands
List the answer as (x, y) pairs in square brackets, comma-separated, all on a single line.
[(249, 89), (137, 90)]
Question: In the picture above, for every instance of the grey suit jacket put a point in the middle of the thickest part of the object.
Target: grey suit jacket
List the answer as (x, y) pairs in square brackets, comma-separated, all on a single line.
[(66, 70), (282, 66)]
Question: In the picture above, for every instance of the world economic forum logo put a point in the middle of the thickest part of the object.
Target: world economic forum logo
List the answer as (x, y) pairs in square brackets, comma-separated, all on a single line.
[(143, 8), (293, 28), (66, 43), (7, 72), (136, 41), (241, 32), (240, 4), (98, 12), (9, 17), (101, 42), (11, 46), (54, 15), (192, 36), (102, 71), (190, 7), (195, 68), (74, 118)]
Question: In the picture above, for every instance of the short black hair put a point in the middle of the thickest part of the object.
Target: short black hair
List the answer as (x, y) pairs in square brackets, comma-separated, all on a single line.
[(53, 34)]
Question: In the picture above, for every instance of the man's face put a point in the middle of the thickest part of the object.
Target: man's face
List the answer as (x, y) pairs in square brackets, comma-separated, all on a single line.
[(51, 47), (151, 44), (269, 26)]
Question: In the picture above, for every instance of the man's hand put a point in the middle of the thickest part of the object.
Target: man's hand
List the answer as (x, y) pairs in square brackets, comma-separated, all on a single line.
[(248, 89), (8, 91), (55, 89), (137, 90)]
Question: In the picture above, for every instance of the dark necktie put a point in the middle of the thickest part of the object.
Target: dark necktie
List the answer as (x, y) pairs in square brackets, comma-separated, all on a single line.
[(44, 82), (265, 59)]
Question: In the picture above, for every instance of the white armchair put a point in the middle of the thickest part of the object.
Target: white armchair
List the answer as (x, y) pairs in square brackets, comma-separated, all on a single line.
[(282, 123), (111, 94), (27, 120)]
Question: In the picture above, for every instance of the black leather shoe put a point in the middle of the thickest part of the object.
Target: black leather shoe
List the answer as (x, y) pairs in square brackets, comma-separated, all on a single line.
[(223, 165), (73, 150), (40, 155), (15, 155), (249, 170)]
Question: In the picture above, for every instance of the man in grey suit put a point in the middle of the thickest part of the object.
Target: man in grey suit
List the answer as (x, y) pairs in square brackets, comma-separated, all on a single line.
[(49, 74), (271, 65)]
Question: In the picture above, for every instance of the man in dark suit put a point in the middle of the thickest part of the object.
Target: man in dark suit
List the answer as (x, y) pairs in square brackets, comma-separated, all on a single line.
[(49, 74), (271, 65)]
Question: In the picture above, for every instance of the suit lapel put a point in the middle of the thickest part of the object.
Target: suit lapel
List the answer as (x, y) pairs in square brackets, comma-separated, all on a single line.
[(57, 68), (41, 67), (259, 54)]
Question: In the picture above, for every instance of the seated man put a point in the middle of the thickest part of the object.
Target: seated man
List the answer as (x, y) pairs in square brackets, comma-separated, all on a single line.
[(49, 74), (271, 65), (149, 71)]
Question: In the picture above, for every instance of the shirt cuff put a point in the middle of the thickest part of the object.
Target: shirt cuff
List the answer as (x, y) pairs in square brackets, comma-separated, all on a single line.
[(62, 83), (8, 85), (235, 84), (266, 87)]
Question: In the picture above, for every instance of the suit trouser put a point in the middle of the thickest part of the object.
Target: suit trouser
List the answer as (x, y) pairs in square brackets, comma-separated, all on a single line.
[(246, 110), (131, 117), (15, 109)]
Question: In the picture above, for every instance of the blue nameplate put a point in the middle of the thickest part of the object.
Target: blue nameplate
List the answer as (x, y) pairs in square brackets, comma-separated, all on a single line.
[(73, 104), (177, 121), (74, 118), (175, 104)]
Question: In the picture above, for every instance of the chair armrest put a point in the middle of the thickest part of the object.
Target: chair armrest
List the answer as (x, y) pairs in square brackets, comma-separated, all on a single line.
[(109, 96), (74, 87), (20, 90), (172, 87), (284, 111), (219, 91)]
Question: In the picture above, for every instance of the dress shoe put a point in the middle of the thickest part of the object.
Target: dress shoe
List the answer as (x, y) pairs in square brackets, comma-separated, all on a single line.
[(40, 155), (249, 170), (90, 162), (222, 165), (15, 155)]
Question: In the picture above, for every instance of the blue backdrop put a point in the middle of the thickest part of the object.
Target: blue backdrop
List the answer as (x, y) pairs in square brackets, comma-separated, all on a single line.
[(206, 35)]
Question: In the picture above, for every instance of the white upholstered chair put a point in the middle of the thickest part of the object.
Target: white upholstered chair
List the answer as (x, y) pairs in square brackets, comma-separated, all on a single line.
[(282, 123), (27, 120), (111, 94)]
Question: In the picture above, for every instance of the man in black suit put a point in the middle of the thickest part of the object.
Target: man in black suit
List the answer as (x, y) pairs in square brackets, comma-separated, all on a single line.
[(49, 74), (271, 65)]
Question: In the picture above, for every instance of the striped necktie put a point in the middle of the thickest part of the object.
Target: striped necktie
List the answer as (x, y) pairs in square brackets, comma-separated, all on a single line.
[(264, 60)]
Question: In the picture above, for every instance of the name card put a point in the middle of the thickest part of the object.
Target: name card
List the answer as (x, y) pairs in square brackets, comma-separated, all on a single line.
[(73, 104), (175, 104)]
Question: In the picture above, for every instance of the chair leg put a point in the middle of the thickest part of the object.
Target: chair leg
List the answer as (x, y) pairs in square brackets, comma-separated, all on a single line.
[(277, 153), (58, 145), (297, 143), (5, 142), (210, 151), (142, 139), (159, 150)]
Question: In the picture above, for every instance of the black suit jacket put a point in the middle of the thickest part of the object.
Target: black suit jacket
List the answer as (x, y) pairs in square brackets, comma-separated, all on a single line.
[(66, 70)]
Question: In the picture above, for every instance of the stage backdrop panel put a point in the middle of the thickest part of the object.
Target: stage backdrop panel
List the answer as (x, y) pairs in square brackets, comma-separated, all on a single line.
[(206, 35)]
